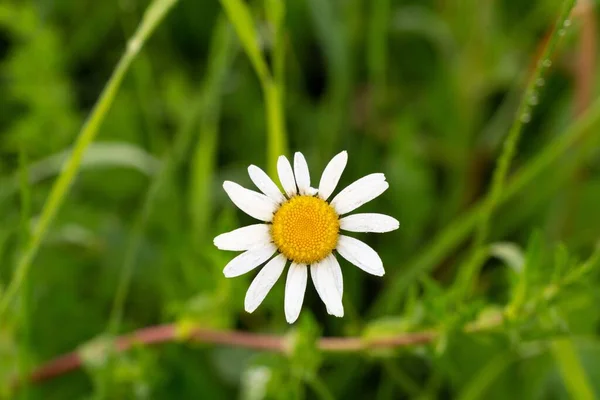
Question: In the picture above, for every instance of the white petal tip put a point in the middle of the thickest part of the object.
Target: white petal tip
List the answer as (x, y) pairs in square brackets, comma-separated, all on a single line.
[(291, 320), (336, 313), (250, 308)]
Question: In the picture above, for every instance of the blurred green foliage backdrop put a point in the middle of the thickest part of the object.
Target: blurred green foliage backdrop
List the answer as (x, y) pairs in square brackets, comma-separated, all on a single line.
[(422, 90)]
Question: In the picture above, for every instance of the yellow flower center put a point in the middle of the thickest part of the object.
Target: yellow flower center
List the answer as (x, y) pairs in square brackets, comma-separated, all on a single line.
[(305, 229)]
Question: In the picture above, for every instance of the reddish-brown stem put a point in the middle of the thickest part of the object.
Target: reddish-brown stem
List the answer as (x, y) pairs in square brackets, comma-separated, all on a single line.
[(169, 333)]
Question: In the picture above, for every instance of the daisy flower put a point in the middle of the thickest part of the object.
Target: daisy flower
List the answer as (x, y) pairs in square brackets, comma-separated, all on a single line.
[(301, 226)]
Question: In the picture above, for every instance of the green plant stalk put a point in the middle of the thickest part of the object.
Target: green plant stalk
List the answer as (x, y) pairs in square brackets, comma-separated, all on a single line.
[(240, 17), (275, 125), (335, 43), (377, 46), (275, 12), (25, 322), (144, 83), (204, 106), (154, 14), (274, 91), (222, 51), (469, 273), (400, 378), (318, 386), (477, 387), (451, 237), (571, 370)]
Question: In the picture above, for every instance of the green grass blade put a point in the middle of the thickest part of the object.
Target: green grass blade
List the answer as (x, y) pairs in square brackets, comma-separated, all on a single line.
[(571, 370), (580, 133), (241, 18), (208, 108), (472, 267), (203, 161), (154, 14), (476, 389), (25, 308)]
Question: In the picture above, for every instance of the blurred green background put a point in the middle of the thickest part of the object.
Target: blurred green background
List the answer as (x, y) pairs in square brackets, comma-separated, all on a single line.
[(422, 90)]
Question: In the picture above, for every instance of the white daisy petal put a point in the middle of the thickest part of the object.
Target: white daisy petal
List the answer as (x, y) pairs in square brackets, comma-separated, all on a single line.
[(332, 174), (302, 174), (254, 204), (249, 260), (369, 222), (244, 238), (325, 281), (295, 286), (265, 184), (360, 192), (286, 176), (264, 281), (361, 255), (337, 275)]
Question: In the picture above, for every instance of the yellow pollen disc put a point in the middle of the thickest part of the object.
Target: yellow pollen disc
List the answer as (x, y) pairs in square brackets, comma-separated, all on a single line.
[(305, 229)]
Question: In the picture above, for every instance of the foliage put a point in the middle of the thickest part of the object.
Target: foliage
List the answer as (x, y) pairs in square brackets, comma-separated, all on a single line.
[(109, 229)]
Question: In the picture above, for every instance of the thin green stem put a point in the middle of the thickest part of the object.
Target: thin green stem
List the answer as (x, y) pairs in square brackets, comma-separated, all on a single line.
[(572, 372), (377, 51), (25, 322), (206, 106), (275, 125), (523, 116), (451, 237), (478, 385), (401, 378), (154, 14), (240, 17), (319, 387), (222, 52)]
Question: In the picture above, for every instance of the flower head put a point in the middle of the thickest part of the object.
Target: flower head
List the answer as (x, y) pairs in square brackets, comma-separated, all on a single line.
[(303, 227)]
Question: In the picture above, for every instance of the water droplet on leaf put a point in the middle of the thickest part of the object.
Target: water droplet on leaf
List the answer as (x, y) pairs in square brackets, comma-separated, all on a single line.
[(533, 99), (525, 118), (547, 63)]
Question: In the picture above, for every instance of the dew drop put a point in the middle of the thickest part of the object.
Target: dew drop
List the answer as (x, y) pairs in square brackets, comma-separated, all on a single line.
[(567, 23), (561, 32), (526, 117), (547, 63), (533, 99), (540, 82)]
